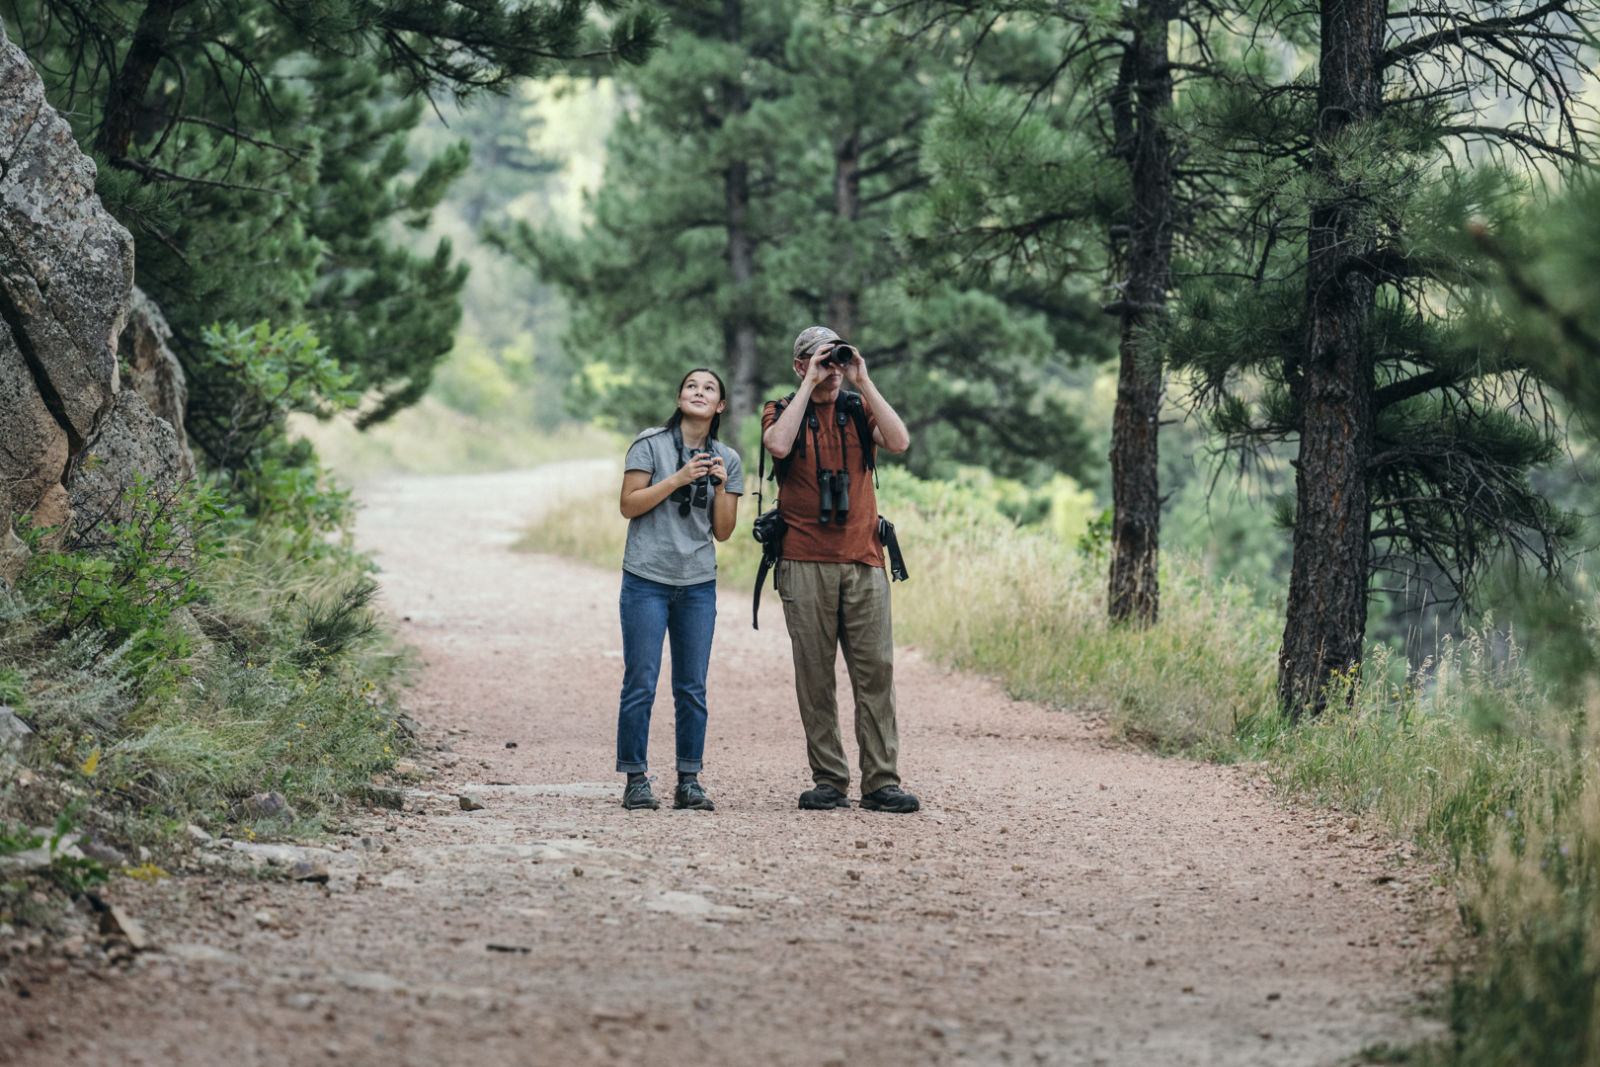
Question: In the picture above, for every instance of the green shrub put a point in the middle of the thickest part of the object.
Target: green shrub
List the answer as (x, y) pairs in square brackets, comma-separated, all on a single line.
[(124, 580), (269, 373), (217, 642)]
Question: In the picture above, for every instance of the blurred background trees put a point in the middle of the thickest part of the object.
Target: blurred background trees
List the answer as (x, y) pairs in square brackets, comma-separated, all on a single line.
[(1263, 289)]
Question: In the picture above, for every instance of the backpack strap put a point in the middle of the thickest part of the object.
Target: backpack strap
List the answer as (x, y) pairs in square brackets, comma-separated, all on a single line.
[(851, 403), (780, 467), (772, 541)]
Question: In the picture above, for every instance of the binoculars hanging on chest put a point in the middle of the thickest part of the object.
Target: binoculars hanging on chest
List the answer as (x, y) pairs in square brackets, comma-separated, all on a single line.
[(833, 487)]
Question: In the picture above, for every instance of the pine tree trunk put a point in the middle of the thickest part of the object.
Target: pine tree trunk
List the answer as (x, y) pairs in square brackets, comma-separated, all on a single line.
[(1134, 592), (844, 294), (132, 83), (739, 333), (1333, 386), (739, 330)]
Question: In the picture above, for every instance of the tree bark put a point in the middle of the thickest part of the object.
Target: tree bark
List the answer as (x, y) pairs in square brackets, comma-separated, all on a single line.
[(1145, 87), (132, 83), (1333, 384), (738, 331), (843, 293), (739, 328)]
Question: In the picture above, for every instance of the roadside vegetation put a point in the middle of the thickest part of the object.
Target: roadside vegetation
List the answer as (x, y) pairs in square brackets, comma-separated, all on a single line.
[(1483, 758), (213, 658)]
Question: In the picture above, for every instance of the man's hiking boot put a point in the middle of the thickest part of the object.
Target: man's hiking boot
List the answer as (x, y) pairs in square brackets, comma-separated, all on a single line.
[(823, 797), (890, 798), (692, 795), (639, 795)]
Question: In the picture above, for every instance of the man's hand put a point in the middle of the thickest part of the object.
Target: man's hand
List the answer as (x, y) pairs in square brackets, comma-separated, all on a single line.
[(855, 372), (818, 369)]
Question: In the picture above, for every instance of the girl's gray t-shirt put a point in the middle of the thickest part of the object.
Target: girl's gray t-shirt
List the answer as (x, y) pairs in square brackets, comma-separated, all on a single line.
[(663, 545)]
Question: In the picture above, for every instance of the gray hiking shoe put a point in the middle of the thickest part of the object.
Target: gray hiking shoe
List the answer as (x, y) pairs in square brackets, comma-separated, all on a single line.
[(692, 795), (639, 795), (890, 798), (823, 797)]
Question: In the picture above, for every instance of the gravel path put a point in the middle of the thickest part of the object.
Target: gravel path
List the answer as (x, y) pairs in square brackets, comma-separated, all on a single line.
[(1059, 900)]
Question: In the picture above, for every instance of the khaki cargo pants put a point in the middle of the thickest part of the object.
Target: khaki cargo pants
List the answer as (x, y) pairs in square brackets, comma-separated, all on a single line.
[(829, 606)]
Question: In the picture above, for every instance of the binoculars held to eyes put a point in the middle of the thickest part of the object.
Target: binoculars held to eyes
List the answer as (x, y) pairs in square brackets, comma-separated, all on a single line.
[(840, 355)]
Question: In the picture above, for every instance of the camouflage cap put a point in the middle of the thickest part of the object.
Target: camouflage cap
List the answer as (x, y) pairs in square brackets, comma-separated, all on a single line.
[(810, 339)]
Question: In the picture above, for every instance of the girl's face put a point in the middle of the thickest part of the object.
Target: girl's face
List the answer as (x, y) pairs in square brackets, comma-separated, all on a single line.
[(700, 397)]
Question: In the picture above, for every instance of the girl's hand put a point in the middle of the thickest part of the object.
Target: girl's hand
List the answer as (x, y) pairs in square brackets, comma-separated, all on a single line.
[(697, 468), (719, 472)]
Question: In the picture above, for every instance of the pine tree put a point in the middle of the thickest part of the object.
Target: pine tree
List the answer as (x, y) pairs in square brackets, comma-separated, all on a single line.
[(1358, 334), (1063, 166), (730, 220), (1546, 274), (1140, 103), (675, 270)]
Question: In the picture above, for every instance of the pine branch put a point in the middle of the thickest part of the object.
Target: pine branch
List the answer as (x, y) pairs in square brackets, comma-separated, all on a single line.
[(152, 172), (1488, 29), (1516, 137), (239, 135), (1394, 393)]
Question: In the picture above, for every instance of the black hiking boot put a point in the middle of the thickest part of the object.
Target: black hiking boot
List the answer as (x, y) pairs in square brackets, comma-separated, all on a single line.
[(822, 798), (890, 798), (639, 795), (692, 795)]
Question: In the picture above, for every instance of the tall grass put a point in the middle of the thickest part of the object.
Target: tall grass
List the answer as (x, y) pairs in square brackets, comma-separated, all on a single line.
[(1494, 772), (277, 679)]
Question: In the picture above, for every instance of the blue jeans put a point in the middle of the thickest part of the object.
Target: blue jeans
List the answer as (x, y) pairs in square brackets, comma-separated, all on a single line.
[(688, 615)]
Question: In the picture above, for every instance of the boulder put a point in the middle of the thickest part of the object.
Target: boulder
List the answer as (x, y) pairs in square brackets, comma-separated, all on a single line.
[(66, 273), (131, 441), (14, 733), (268, 805), (151, 369)]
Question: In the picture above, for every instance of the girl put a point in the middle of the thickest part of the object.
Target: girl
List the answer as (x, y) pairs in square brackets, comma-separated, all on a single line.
[(680, 488)]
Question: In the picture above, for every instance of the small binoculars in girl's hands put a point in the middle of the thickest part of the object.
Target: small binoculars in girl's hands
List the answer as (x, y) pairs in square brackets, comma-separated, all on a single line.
[(698, 492), (715, 481)]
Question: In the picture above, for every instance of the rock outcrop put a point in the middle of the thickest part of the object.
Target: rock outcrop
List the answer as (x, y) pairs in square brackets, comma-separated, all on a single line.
[(131, 441), (151, 368), (142, 433), (66, 282)]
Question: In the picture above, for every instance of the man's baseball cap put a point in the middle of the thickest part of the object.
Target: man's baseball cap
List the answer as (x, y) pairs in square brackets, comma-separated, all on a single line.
[(811, 338)]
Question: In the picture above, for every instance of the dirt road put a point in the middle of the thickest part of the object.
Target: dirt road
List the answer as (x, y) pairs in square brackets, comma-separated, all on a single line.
[(1058, 901)]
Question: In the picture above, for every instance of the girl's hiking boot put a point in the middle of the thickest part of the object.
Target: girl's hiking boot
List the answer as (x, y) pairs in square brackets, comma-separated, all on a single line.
[(823, 797), (692, 795), (890, 798), (639, 795)]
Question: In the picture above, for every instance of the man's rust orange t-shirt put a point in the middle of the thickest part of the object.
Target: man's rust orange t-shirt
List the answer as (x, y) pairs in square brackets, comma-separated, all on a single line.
[(799, 500)]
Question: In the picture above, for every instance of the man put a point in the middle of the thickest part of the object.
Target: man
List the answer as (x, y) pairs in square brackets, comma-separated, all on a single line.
[(831, 576)]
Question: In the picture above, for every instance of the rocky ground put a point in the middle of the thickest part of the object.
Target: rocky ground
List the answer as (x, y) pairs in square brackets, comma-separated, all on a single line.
[(1059, 900)]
